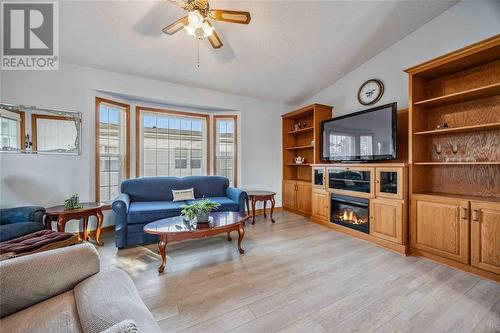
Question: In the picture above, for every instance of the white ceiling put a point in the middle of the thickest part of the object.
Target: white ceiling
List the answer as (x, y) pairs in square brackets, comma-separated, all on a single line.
[(290, 51)]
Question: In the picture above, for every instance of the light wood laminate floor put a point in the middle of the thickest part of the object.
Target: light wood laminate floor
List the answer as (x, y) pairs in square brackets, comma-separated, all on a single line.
[(297, 276)]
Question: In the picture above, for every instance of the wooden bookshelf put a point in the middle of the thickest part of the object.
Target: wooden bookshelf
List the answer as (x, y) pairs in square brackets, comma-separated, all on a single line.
[(304, 142), (455, 204)]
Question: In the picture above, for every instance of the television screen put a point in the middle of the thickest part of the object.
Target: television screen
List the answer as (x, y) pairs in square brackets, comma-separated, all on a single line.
[(368, 135)]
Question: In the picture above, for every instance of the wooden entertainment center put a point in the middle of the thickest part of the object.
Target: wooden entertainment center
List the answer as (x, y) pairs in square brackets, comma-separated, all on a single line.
[(446, 204)]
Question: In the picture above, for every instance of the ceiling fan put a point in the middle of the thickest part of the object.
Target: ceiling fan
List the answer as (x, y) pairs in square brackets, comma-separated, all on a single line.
[(197, 22)]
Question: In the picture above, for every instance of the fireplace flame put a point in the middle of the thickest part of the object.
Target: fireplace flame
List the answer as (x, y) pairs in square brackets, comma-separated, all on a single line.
[(351, 217)]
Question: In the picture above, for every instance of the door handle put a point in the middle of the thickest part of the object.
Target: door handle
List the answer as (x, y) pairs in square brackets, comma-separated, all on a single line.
[(475, 215), (465, 213)]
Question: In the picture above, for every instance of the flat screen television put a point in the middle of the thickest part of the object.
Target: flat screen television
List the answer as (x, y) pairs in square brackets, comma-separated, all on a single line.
[(368, 135)]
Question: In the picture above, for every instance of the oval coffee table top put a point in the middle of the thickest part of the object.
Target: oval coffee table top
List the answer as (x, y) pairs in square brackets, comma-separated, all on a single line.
[(85, 207), (259, 193), (177, 224)]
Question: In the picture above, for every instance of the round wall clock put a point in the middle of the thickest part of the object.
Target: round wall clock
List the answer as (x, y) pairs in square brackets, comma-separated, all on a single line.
[(370, 92)]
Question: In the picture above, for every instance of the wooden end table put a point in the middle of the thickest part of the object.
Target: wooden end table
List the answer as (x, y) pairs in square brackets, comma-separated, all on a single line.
[(255, 196), (174, 229), (63, 215)]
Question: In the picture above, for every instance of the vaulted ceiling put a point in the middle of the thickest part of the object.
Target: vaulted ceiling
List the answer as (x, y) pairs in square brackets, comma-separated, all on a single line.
[(290, 51)]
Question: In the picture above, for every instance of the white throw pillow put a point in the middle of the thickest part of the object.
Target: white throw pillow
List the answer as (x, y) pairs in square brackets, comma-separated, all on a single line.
[(182, 195)]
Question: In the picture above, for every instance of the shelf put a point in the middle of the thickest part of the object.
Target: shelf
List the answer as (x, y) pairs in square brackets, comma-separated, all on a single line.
[(456, 163), (482, 92), (459, 196), (295, 164), (461, 129), (302, 130), (351, 180), (300, 147)]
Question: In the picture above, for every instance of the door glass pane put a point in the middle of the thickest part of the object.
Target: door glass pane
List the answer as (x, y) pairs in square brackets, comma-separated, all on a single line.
[(388, 182), (318, 176), (349, 180)]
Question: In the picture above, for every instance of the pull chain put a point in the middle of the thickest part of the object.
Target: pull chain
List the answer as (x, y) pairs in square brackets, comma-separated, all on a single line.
[(198, 56)]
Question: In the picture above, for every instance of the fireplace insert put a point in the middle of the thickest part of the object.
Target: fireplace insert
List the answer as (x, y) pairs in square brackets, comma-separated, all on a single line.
[(350, 212)]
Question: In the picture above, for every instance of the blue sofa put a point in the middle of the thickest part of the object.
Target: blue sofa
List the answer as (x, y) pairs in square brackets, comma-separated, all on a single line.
[(144, 200), (20, 221)]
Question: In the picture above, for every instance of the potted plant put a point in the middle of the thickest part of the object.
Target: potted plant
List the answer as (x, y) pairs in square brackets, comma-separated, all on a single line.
[(200, 209)]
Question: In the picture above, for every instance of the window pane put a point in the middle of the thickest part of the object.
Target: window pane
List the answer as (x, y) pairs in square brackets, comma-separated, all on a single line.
[(111, 150), (225, 147), (55, 134), (172, 145)]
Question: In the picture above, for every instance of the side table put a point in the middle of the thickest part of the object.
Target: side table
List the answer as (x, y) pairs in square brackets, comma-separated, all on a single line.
[(63, 215), (255, 196)]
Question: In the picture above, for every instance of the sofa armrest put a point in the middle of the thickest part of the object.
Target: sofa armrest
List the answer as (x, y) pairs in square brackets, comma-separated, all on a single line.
[(30, 279), (22, 214), (237, 195), (121, 203)]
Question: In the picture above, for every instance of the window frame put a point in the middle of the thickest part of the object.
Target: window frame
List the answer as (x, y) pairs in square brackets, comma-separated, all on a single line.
[(235, 164), (22, 130), (126, 159), (139, 109)]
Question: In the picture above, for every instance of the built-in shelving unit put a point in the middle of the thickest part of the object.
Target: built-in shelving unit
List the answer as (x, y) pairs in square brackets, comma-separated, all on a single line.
[(303, 142), (455, 171)]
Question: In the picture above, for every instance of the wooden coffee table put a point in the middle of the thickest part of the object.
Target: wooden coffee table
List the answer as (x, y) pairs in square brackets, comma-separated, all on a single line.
[(174, 229), (255, 196), (63, 215)]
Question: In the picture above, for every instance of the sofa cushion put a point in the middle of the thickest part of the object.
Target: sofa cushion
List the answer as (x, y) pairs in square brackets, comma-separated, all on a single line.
[(108, 298), (152, 188), (11, 231), (57, 314), (212, 186), (149, 211), (226, 204)]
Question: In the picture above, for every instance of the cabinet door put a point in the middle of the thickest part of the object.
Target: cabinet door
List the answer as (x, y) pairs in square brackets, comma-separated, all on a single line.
[(389, 183), (318, 176), (386, 220), (304, 193), (440, 225), (289, 194), (320, 204), (357, 181), (485, 236)]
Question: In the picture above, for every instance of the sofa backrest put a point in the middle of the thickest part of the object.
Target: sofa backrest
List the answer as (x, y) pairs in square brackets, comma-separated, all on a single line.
[(160, 188)]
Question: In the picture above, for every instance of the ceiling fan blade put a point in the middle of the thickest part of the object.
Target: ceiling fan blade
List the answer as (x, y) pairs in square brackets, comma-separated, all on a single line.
[(232, 16), (178, 3), (214, 38), (176, 26)]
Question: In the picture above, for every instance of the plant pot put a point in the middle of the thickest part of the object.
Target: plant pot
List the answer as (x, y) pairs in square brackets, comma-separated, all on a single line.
[(203, 217)]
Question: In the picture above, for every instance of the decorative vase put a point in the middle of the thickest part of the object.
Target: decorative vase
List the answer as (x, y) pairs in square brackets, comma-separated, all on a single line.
[(203, 217)]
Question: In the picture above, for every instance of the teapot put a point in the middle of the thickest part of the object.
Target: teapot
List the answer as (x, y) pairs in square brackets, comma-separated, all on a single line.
[(299, 160)]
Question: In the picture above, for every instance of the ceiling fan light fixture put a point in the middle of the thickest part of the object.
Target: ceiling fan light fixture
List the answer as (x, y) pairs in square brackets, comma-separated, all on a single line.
[(198, 27)]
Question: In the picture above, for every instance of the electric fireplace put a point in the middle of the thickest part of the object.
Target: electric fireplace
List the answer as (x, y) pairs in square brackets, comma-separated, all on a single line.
[(350, 212)]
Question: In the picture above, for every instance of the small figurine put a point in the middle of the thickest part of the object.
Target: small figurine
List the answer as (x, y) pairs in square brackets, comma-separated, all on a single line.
[(441, 126)]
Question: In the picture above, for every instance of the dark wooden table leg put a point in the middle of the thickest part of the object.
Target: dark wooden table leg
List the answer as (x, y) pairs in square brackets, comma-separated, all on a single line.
[(162, 247), (265, 203), (248, 204), (253, 210), (48, 222), (85, 228), (272, 207), (229, 236), (61, 223), (100, 219), (241, 233)]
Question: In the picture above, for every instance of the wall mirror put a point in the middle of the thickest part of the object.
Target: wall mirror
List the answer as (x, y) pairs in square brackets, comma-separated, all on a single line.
[(30, 129)]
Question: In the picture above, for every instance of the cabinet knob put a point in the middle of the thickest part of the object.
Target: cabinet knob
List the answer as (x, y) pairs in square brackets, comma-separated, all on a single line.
[(465, 213), (475, 215)]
